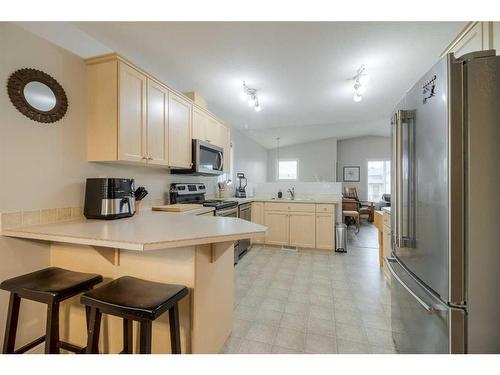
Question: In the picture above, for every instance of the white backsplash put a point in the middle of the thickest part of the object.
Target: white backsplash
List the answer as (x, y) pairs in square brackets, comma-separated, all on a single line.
[(319, 190)]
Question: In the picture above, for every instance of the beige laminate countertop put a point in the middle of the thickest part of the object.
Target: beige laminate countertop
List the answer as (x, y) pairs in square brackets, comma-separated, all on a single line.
[(148, 230), (282, 200)]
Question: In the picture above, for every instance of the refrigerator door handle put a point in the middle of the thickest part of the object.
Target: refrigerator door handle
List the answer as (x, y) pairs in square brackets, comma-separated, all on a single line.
[(430, 309), (405, 219)]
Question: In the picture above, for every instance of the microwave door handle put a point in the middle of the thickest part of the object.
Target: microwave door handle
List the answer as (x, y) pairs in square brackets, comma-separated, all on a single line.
[(221, 161)]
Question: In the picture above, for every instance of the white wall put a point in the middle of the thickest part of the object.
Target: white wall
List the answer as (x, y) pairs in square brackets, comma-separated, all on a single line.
[(317, 160), (357, 151), (248, 157)]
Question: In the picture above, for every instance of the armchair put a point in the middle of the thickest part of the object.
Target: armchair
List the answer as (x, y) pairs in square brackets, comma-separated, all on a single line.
[(365, 207)]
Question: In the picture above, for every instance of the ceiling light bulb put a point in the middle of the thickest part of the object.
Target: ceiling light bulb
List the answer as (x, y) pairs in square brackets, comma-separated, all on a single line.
[(363, 79), (360, 89), (357, 97), (251, 101), (258, 108)]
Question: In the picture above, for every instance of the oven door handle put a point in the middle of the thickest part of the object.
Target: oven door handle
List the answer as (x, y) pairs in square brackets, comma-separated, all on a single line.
[(227, 212)]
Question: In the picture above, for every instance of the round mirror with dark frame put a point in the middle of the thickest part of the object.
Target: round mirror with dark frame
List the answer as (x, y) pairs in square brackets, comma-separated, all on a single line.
[(37, 95)]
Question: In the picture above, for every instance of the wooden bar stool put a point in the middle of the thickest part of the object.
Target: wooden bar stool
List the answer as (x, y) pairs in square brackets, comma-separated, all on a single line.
[(132, 299), (50, 286)]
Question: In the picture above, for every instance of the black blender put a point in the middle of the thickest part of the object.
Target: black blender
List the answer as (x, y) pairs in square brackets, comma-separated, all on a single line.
[(240, 190)]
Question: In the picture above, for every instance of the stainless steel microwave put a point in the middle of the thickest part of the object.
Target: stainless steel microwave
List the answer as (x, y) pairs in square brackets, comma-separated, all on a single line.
[(208, 160)]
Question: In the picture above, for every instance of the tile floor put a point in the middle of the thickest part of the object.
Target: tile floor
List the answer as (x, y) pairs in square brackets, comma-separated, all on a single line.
[(312, 301)]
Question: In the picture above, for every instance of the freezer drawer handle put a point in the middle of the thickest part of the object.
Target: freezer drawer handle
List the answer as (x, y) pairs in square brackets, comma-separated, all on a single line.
[(430, 309)]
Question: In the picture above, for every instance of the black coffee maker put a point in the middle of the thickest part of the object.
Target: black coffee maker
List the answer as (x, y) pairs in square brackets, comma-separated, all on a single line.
[(240, 190), (109, 198)]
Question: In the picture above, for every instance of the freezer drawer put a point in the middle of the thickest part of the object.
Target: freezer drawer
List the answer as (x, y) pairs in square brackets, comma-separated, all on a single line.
[(423, 320)]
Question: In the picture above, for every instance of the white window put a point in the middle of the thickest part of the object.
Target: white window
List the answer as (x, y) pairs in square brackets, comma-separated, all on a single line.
[(287, 169), (379, 179)]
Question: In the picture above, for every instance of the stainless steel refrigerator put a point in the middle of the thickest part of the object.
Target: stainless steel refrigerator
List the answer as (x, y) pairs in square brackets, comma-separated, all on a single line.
[(445, 263)]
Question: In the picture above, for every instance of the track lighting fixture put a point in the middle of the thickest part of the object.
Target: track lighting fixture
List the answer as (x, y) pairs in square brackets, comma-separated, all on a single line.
[(249, 95), (360, 81)]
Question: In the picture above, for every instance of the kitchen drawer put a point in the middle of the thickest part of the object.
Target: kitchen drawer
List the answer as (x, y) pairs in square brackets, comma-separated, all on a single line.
[(325, 208), (387, 219), (286, 206)]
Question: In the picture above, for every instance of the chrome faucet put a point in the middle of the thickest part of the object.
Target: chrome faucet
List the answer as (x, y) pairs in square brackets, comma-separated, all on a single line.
[(292, 193)]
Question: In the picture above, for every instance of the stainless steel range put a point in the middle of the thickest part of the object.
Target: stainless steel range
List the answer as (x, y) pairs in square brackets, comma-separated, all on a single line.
[(195, 193)]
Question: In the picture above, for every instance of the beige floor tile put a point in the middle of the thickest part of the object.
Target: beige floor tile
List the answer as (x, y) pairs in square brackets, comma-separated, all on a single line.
[(320, 326), (232, 345), (279, 350), (321, 312), (292, 321), (351, 347), (320, 344), (240, 327), (290, 338), (254, 347), (351, 332), (262, 332), (270, 317), (297, 308)]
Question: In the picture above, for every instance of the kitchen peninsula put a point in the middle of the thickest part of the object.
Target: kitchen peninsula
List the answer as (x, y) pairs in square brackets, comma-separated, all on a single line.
[(196, 251)]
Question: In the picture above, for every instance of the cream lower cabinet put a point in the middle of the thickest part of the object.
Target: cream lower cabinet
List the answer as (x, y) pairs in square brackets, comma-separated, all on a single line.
[(325, 231), (278, 225), (305, 225), (258, 218), (302, 229)]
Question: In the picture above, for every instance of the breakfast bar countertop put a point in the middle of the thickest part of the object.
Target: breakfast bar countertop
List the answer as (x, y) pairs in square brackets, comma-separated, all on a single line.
[(148, 230)]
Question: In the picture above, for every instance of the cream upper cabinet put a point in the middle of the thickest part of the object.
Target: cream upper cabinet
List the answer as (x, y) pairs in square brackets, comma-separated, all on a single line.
[(179, 134), (157, 124), (325, 231), (200, 123), (131, 114), (278, 224), (302, 229), (134, 117)]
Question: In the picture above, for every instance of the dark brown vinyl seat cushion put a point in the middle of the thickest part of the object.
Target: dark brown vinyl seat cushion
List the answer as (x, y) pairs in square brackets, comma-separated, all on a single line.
[(134, 298), (51, 284)]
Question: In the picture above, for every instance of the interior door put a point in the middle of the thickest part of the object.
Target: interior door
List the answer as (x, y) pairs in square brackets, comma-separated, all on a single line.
[(157, 124), (421, 191)]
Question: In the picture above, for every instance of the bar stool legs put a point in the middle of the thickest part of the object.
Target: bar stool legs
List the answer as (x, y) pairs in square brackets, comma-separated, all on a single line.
[(9, 342), (52, 329), (175, 333), (94, 331), (128, 340), (145, 331)]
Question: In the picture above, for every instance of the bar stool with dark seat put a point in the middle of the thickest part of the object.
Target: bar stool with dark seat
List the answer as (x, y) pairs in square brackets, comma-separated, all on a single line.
[(132, 299), (50, 286)]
